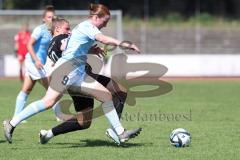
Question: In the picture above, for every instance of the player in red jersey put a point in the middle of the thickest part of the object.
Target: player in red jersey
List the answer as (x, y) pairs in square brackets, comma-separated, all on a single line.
[(21, 39)]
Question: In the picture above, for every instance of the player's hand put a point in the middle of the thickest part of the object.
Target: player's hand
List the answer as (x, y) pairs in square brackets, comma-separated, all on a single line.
[(38, 64), (129, 46), (135, 48), (98, 51)]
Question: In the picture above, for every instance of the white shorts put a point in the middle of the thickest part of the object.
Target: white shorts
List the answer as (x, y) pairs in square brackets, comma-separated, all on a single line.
[(49, 66), (33, 72), (67, 73)]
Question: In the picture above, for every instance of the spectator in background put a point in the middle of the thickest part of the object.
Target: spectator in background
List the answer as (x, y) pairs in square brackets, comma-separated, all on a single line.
[(21, 39)]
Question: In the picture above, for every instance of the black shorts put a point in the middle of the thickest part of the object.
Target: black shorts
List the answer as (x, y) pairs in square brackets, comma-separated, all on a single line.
[(81, 102)]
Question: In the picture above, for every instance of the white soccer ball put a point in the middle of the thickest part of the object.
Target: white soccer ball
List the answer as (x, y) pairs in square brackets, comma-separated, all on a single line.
[(180, 137)]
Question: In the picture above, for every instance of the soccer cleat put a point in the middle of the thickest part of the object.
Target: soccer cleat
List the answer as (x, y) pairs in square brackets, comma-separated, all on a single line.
[(8, 130), (43, 139), (112, 134), (125, 136), (128, 134)]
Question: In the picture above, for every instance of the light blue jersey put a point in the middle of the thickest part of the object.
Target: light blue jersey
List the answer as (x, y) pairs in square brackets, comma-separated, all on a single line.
[(42, 36), (81, 40), (79, 43)]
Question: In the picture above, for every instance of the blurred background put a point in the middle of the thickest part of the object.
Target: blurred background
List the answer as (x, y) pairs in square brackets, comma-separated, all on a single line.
[(190, 37)]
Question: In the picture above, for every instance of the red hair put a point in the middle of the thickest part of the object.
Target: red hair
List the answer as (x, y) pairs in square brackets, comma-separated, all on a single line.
[(98, 9)]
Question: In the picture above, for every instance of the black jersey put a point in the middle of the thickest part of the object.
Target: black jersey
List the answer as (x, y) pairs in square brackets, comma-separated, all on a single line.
[(54, 49)]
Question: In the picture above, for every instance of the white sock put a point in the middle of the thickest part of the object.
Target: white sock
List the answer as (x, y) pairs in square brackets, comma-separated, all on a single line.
[(112, 116), (29, 111), (20, 102), (49, 134)]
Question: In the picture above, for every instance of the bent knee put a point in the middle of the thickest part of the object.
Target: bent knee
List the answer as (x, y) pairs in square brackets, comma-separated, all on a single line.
[(85, 124), (84, 120), (108, 97)]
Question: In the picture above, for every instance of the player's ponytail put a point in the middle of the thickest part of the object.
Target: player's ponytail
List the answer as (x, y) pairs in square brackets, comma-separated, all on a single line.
[(98, 9)]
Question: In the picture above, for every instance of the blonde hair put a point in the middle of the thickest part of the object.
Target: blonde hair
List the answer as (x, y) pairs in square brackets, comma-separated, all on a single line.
[(57, 21), (98, 9)]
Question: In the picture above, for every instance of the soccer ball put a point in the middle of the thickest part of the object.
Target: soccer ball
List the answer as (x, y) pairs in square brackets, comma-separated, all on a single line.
[(180, 137)]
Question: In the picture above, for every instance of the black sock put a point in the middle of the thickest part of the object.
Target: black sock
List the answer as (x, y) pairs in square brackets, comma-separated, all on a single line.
[(67, 126), (119, 99)]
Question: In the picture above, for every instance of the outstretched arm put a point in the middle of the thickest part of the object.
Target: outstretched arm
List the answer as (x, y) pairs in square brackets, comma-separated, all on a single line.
[(112, 41)]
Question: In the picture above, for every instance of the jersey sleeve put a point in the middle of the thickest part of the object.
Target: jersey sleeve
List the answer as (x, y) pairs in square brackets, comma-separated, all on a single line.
[(91, 31), (36, 34)]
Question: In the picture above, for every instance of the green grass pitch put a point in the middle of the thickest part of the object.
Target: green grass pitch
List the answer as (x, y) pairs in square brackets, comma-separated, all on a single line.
[(210, 110)]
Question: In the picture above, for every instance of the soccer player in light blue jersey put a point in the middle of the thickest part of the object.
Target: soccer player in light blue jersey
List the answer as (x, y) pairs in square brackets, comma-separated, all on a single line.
[(35, 59), (70, 74), (83, 104)]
